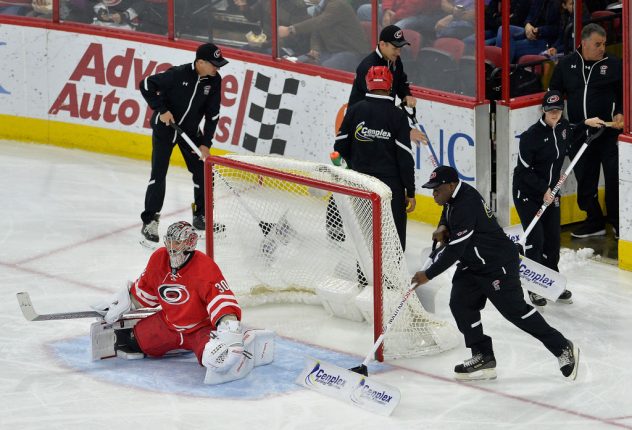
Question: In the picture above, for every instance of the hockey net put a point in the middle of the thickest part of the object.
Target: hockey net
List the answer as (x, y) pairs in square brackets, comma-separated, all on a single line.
[(304, 232)]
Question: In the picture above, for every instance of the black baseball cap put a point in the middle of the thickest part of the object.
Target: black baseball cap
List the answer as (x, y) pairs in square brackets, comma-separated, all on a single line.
[(441, 175), (211, 53), (552, 100), (394, 35)]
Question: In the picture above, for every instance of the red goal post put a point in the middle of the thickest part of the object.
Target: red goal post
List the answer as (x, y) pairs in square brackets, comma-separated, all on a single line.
[(297, 231)]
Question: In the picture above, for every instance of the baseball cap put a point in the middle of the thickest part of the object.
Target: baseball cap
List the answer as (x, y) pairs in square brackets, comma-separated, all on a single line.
[(394, 35), (441, 175), (552, 100), (211, 53)]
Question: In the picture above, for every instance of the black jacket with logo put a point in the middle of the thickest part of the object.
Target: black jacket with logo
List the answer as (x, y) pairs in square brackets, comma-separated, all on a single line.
[(189, 97), (374, 139), (593, 88), (476, 239), (540, 157), (401, 86)]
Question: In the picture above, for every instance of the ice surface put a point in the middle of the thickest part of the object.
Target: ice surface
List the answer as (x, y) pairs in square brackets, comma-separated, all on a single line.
[(69, 229)]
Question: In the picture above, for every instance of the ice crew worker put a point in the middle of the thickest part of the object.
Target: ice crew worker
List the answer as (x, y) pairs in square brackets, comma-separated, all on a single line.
[(488, 268), (387, 54), (593, 84), (541, 154), (374, 139), (183, 95)]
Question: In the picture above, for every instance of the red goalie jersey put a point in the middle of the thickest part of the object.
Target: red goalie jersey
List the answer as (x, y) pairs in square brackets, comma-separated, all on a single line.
[(196, 295)]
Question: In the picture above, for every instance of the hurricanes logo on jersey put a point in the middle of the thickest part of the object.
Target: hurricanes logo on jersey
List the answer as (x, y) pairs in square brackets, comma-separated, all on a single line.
[(366, 134), (173, 294)]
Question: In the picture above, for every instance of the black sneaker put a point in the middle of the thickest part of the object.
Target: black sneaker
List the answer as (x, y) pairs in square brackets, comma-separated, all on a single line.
[(537, 299), (588, 230), (479, 367), (199, 221), (150, 230), (569, 361), (566, 297)]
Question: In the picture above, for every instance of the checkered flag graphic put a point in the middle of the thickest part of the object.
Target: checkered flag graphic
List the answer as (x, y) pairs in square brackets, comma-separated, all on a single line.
[(266, 118)]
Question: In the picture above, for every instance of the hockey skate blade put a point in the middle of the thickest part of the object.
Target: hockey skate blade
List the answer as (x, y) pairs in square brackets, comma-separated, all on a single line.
[(573, 374), (127, 355), (479, 375), (347, 386)]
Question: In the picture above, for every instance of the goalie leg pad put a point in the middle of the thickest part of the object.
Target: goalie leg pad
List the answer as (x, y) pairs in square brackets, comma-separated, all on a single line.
[(104, 341), (240, 370), (260, 344), (258, 351)]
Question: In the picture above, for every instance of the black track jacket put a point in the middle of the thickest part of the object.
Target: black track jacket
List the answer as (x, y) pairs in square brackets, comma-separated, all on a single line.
[(593, 88), (540, 157), (189, 97), (374, 139), (401, 86), (476, 239)]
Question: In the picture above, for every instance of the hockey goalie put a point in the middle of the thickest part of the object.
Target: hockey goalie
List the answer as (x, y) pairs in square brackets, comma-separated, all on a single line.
[(197, 311)]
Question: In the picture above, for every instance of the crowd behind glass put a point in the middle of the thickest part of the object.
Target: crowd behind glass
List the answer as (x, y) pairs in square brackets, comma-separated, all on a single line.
[(338, 33)]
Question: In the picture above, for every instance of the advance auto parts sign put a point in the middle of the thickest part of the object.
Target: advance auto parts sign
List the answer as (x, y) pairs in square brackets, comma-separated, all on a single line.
[(94, 81)]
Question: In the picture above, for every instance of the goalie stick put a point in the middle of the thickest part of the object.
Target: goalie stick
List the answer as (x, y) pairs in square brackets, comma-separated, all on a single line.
[(26, 306)]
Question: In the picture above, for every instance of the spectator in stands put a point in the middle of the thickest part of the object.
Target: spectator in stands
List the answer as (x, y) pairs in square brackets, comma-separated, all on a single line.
[(594, 5), (540, 31), (418, 15), (73, 10), (518, 12), (116, 13), (153, 16), (592, 83), (337, 39), (564, 43), (15, 7), (288, 12), (43, 9), (459, 23)]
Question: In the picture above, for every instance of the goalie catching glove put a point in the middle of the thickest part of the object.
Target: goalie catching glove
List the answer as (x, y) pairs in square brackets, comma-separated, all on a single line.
[(115, 306), (225, 348)]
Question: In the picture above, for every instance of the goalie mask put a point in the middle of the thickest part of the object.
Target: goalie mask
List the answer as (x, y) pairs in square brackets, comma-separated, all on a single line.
[(180, 241)]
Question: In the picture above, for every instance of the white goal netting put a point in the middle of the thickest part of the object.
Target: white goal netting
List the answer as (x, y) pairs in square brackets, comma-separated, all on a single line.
[(287, 242)]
